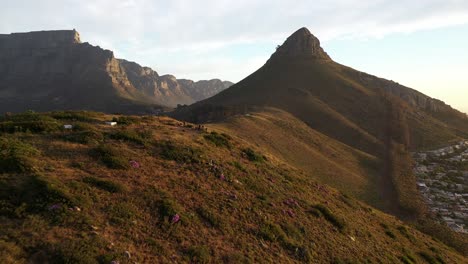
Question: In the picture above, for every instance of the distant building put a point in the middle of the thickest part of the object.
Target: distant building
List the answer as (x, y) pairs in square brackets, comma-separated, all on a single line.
[(422, 186), (110, 123)]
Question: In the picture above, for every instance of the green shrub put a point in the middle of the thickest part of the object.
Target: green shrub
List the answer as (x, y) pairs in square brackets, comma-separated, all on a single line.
[(272, 232), (105, 185), (315, 212), (182, 154), (33, 194), (338, 223), (17, 156), (41, 194), (429, 258), (199, 254), (28, 122), (111, 157), (252, 155), (126, 120), (219, 140), (404, 231), (167, 208), (408, 258), (239, 166), (84, 250), (140, 138), (82, 116), (84, 137), (211, 218), (122, 213), (235, 257), (390, 234)]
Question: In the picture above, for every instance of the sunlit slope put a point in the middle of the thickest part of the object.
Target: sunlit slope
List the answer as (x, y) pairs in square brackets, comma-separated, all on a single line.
[(324, 158), (155, 190)]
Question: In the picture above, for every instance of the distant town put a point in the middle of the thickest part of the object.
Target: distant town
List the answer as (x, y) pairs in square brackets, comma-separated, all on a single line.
[(442, 178)]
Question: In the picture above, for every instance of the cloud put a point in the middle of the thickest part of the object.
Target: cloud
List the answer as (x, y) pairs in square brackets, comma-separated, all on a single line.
[(156, 30)]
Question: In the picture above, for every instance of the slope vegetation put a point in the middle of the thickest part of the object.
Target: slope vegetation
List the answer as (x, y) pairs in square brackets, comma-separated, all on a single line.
[(154, 189), (369, 114)]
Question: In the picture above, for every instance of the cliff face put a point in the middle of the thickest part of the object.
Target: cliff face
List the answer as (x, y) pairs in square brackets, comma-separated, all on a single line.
[(50, 70), (204, 89), (167, 89)]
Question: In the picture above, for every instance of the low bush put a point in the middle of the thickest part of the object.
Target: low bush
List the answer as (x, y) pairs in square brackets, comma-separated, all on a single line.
[(272, 232), (390, 234), (122, 213), (28, 122), (337, 222), (140, 138), (251, 155), (209, 217), (239, 166), (183, 154), (105, 185), (167, 208), (126, 120), (219, 140), (408, 257), (315, 212), (84, 137), (199, 254), (17, 156), (111, 157), (83, 250), (430, 259), (33, 194), (82, 116)]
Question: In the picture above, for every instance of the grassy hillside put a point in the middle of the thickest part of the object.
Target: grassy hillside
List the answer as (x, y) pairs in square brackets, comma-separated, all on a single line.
[(154, 189), (326, 159)]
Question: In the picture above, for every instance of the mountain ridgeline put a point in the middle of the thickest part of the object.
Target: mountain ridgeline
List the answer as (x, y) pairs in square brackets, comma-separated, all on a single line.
[(50, 70), (376, 116)]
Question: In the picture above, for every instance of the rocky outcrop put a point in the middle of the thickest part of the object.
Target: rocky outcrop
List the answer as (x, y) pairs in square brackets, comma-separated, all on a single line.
[(167, 89), (301, 44), (50, 70), (410, 96), (204, 89)]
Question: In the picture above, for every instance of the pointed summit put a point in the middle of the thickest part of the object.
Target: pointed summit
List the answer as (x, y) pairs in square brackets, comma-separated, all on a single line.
[(301, 44)]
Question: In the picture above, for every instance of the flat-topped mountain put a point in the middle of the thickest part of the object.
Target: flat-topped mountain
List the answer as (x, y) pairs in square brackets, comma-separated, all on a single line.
[(50, 70)]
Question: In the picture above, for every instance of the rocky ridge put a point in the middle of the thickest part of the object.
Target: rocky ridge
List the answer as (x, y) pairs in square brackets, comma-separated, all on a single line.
[(301, 44), (50, 70)]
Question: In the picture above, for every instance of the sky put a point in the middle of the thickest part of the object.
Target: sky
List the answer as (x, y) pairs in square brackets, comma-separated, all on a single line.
[(419, 43)]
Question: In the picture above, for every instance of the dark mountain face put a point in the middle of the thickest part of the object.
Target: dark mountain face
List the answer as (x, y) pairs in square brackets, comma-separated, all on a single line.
[(370, 114), (334, 99), (51, 70), (301, 44)]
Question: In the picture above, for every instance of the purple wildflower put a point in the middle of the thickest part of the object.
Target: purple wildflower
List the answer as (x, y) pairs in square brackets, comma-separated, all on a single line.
[(290, 213), (175, 218), (222, 177), (54, 207), (291, 202), (135, 164)]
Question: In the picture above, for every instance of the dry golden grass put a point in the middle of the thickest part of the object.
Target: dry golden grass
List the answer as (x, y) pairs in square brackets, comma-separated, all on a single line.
[(261, 210)]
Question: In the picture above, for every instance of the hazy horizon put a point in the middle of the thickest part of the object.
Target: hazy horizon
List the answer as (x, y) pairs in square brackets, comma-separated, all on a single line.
[(420, 44)]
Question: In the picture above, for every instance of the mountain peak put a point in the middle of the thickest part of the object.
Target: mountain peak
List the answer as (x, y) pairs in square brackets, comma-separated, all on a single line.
[(301, 43)]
